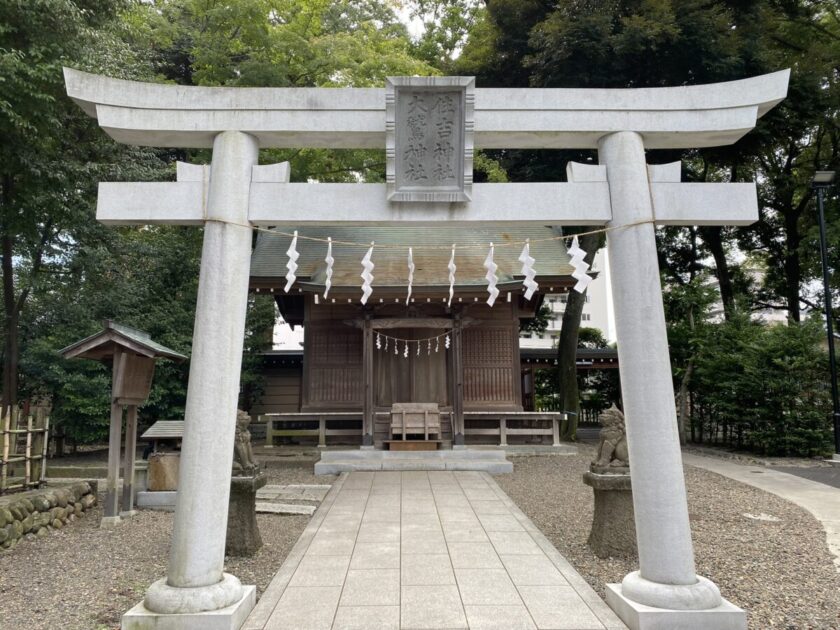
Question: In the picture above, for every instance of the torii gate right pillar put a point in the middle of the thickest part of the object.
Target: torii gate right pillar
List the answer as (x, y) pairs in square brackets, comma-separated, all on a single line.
[(666, 578)]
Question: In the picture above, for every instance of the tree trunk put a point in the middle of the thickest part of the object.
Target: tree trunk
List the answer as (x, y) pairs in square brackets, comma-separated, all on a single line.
[(793, 270), (11, 351), (684, 402), (712, 235), (567, 348)]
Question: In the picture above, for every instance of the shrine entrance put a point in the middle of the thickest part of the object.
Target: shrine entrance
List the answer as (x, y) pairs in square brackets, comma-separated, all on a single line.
[(429, 127)]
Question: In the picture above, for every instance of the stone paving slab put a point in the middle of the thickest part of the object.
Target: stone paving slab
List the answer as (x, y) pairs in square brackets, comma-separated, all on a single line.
[(425, 550)]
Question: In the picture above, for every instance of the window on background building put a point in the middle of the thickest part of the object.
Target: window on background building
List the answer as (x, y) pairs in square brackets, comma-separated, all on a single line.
[(563, 299), (586, 317)]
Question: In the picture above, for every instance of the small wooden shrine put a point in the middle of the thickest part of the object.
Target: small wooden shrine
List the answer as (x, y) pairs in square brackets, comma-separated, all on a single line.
[(132, 354), (460, 354)]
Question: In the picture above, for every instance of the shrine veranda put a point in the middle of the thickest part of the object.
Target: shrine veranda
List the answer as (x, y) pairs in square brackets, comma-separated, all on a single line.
[(429, 183)]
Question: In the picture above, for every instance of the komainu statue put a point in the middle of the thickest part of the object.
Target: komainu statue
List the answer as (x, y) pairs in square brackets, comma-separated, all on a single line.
[(243, 456), (612, 448)]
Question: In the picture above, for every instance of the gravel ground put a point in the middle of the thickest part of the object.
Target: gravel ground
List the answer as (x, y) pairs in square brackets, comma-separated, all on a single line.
[(83, 578), (781, 572)]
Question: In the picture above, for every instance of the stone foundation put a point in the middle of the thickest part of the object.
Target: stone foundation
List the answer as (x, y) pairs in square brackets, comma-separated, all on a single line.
[(33, 515)]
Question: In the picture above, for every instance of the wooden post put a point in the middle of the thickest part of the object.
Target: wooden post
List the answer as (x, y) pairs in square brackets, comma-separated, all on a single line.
[(322, 432), (555, 428), (128, 466), (27, 464), (7, 438), (458, 378), (503, 431), (367, 378), (45, 449), (269, 432), (111, 515)]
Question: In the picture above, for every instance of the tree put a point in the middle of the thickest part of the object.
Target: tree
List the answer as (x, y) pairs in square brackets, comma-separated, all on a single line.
[(51, 154), (567, 346)]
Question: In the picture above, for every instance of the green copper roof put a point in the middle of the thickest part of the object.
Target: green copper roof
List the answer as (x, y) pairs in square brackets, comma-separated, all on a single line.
[(391, 265)]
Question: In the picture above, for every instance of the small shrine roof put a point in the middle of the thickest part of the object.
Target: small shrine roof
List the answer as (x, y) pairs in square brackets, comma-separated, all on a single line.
[(269, 258), (101, 346)]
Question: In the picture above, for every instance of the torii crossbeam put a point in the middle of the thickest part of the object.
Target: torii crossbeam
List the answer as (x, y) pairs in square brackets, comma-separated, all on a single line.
[(234, 194)]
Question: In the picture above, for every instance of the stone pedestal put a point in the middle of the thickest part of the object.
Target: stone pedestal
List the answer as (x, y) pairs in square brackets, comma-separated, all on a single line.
[(613, 527), (243, 534), (163, 472)]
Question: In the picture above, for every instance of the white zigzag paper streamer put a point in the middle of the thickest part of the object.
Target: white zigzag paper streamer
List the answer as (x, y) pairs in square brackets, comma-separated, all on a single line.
[(451, 266), (491, 277), (329, 260), (411, 268), (528, 270), (581, 267), (293, 255), (366, 275)]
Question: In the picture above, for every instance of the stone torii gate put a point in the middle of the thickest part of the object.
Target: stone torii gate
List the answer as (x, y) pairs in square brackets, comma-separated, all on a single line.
[(622, 192)]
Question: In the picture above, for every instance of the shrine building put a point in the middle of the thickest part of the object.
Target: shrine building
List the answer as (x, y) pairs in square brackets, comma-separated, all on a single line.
[(462, 356)]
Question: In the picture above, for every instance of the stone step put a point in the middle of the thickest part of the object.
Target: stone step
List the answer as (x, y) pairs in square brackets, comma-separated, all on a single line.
[(264, 507), (442, 455), (494, 466)]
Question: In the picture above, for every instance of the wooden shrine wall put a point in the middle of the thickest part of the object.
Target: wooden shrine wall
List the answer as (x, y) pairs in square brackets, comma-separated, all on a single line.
[(491, 359), (333, 377), (281, 391), (332, 359)]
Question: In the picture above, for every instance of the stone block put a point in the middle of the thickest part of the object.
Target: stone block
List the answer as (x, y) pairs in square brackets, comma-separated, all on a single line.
[(163, 471), (157, 500), (230, 618), (613, 526), (727, 616), (243, 533)]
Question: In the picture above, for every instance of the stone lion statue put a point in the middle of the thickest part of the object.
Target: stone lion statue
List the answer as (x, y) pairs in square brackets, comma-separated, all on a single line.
[(612, 447), (243, 455)]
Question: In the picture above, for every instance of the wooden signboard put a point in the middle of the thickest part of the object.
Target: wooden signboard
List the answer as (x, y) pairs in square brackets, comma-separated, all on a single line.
[(132, 378)]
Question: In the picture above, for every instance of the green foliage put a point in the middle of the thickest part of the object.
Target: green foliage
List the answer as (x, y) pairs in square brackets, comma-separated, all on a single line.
[(539, 323), (146, 278), (763, 387)]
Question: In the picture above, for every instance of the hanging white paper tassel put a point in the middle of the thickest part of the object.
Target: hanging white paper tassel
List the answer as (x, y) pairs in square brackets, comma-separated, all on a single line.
[(451, 266), (378, 342), (367, 276), (292, 264), (410, 274), (405, 351), (491, 277), (446, 342), (418, 348), (581, 267), (528, 270), (386, 341), (396, 347), (329, 260), (437, 343), (429, 348)]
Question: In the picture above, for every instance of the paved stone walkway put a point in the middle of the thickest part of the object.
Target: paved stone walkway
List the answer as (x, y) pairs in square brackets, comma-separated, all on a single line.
[(423, 550), (293, 499), (821, 500)]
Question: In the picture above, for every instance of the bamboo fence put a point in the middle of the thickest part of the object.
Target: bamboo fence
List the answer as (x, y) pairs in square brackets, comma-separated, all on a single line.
[(23, 450)]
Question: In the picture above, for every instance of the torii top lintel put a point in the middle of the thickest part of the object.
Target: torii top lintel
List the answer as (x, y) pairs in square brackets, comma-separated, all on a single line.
[(163, 115)]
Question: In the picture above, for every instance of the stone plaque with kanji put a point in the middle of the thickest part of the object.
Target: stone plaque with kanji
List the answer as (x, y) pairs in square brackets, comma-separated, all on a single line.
[(429, 139)]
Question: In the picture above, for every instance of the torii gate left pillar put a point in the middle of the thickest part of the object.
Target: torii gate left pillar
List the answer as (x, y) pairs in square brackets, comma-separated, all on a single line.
[(623, 192)]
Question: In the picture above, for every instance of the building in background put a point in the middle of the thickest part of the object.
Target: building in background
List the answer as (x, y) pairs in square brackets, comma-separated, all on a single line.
[(597, 311)]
